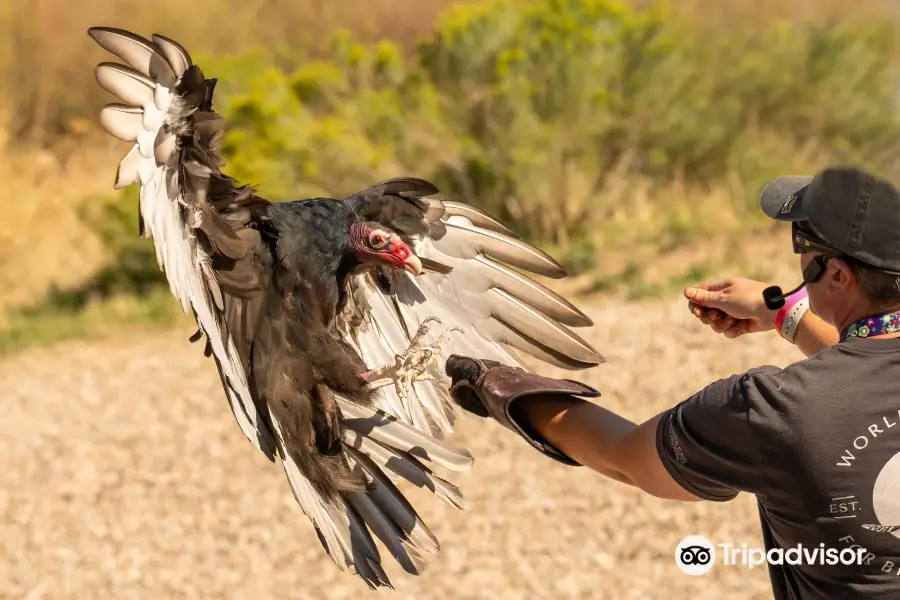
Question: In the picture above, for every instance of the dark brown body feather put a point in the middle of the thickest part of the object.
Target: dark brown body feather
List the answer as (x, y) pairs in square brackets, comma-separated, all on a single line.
[(297, 365)]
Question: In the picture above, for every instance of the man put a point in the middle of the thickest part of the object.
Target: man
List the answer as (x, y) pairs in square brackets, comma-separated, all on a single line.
[(818, 442)]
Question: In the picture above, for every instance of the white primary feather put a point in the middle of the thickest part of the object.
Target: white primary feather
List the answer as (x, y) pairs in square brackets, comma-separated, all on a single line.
[(162, 201)]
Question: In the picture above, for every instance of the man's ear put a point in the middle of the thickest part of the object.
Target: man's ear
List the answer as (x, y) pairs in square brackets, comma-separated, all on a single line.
[(840, 276)]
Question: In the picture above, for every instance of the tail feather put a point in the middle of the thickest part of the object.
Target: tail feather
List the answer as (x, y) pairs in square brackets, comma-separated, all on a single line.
[(403, 465), (388, 532), (394, 506), (324, 515), (366, 558), (345, 525), (341, 530), (387, 430)]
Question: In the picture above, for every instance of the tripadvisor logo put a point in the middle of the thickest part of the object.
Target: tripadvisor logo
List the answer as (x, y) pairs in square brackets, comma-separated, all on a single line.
[(696, 555)]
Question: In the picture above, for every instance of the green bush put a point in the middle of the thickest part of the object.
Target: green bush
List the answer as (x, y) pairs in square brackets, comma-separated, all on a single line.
[(558, 93)]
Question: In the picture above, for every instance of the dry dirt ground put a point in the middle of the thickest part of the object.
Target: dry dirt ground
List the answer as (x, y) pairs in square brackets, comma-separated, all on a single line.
[(125, 476)]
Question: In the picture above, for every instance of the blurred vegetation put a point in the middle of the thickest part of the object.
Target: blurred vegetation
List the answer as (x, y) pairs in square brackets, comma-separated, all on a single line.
[(47, 60), (128, 290), (537, 111), (586, 125)]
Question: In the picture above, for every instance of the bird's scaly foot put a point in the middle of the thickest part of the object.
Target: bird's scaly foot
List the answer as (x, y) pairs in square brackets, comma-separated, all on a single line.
[(412, 364)]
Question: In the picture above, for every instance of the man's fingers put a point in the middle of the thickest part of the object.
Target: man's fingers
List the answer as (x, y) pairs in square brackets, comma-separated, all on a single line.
[(716, 319), (706, 315), (696, 310), (706, 294), (738, 329), (707, 319), (700, 296), (722, 326)]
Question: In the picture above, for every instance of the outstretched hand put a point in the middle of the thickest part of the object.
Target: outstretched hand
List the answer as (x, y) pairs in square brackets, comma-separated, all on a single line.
[(732, 306)]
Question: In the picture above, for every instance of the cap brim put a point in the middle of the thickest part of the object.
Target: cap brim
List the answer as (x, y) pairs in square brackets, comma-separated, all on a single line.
[(780, 200)]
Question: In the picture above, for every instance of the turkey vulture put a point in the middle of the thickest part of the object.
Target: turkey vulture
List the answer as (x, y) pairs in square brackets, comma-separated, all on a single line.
[(326, 317)]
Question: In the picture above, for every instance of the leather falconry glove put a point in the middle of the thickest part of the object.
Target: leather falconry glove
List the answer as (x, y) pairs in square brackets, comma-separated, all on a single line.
[(488, 388)]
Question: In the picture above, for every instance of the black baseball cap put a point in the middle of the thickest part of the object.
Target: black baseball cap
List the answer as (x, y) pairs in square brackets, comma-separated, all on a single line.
[(850, 209)]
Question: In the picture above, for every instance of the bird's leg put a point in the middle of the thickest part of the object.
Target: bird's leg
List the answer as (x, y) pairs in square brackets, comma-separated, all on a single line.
[(412, 364)]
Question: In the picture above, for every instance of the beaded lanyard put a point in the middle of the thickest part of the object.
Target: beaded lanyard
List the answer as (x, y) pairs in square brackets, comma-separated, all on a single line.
[(874, 325)]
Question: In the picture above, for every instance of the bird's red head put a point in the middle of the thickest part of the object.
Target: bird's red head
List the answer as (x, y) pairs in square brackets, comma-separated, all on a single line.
[(374, 244)]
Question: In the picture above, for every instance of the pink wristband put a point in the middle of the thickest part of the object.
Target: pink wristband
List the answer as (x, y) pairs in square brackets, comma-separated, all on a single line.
[(788, 304)]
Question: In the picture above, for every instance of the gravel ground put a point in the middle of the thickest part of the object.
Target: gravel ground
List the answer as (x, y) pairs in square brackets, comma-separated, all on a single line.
[(125, 476)]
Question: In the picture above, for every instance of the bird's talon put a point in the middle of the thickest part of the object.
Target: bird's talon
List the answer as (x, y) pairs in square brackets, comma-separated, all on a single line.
[(422, 331), (410, 366)]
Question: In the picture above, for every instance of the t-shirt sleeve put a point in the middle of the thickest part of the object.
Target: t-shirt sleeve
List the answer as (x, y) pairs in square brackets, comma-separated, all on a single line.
[(707, 445)]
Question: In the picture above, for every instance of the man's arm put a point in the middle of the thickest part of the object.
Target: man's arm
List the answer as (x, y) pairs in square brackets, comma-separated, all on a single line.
[(703, 448), (602, 441), (814, 334)]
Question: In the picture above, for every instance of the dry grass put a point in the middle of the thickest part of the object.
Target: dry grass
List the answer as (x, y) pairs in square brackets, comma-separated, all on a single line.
[(126, 477), (42, 239)]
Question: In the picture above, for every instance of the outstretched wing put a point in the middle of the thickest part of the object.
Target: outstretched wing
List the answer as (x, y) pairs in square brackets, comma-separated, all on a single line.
[(473, 279), (198, 219), (206, 230)]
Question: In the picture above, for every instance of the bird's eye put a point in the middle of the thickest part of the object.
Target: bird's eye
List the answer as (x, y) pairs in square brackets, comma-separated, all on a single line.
[(377, 240)]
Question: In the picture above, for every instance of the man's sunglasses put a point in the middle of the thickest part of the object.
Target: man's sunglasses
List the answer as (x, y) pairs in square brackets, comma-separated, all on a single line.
[(805, 241)]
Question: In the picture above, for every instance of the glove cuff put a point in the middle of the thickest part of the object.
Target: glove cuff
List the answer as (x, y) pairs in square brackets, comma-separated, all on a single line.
[(499, 387)]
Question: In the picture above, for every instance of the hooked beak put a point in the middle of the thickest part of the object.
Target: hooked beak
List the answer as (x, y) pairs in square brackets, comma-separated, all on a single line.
[(412, 264)]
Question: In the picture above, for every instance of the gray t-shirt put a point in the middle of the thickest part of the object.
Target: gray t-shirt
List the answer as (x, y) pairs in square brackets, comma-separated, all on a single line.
[(818, 443)]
